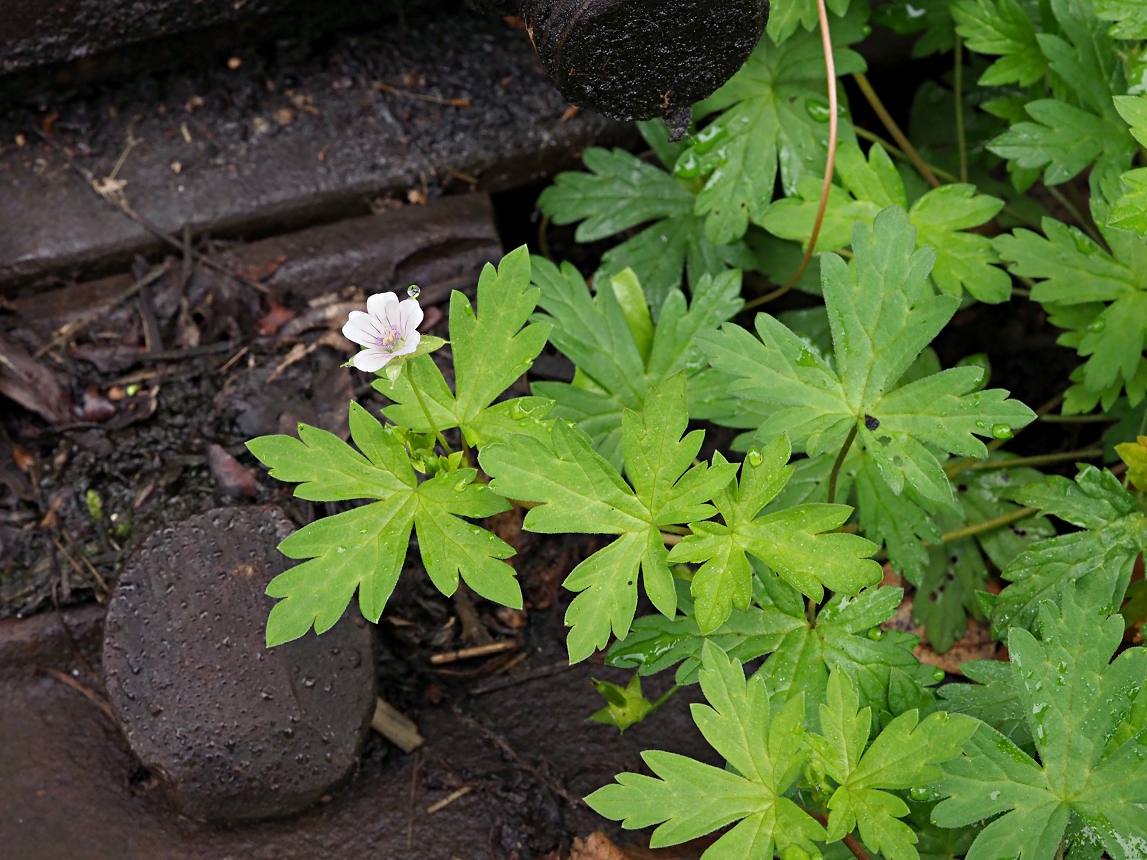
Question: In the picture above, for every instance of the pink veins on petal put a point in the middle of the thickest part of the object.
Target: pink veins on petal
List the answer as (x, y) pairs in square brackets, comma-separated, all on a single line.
[(388, 329)]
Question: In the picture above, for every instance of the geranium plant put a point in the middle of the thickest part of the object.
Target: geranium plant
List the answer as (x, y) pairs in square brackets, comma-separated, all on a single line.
[(763, 562)]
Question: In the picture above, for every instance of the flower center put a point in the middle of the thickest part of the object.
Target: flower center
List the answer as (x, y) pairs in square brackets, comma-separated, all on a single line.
[(391, 339)]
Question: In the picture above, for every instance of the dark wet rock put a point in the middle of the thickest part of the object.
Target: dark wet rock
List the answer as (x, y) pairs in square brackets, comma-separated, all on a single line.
[(233, 731), (640, 59), (36, 33), (303, 135)]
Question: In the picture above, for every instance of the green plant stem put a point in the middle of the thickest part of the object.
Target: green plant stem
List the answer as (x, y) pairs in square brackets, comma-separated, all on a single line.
[(893, 129), (832, 478), (426, 411), (850, 841), (1037, 460), (961, 139), (1077, 419), (663, 698), (1073, 210), (987, 525), (896, 152)]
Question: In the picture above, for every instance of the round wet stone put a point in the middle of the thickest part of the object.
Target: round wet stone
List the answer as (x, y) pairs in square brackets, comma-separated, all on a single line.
[(233, 730)]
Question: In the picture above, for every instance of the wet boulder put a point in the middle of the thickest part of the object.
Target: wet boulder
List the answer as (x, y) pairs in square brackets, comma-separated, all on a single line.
[(233, 730)]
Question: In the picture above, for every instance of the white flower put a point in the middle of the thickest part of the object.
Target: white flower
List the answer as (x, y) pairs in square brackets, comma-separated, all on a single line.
[(388, 329)]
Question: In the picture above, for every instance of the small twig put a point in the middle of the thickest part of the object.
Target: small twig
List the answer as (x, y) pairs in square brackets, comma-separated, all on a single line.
[(120, 202), (839, 462), (476, 651), (92, 695), (986, 525), (961, 138), (448, 799), (1037, 460), (434, 100), (505, 747), (533, 675), (229, 363), (84, 558), (543, 237), (829, 165), (893, 129), (68, 632), (69, 330), (473, 630)]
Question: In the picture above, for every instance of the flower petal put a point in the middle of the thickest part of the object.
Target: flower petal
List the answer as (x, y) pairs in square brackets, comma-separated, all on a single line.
[(410, 316), (409, 345), (362, 329), (371, 360), (381, 306)]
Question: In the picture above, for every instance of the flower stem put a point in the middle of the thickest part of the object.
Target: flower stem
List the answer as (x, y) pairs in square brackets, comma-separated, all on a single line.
[(961, 138), (987, 525), (832, 478), (663, 698), (426, 411), (893, 129), (1037, 460)]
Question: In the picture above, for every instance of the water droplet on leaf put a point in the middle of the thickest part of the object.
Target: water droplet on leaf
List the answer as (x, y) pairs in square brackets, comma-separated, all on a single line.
[(875, 634), (1002, 431), (755, 457), (1097, 325)]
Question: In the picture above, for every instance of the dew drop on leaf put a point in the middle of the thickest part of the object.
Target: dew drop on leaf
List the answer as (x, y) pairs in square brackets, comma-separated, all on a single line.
[(1002, 431), (413, 291), (938, 675), (1097, 325), (755, 457), (875, 634)]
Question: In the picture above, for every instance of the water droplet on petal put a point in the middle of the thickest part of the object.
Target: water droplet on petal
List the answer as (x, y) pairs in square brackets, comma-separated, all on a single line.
[(413, 291)]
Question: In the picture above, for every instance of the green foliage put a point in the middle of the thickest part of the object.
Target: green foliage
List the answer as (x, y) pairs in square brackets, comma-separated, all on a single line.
[(1114, 533), (600, 334), (964, 260), (364, 548), (1078, 125), (766, 748), (578, 490), (491, 351), (624, 706), (1079, 708)]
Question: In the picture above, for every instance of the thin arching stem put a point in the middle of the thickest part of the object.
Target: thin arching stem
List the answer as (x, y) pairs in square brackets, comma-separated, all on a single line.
[(894, 130), (829, 166)]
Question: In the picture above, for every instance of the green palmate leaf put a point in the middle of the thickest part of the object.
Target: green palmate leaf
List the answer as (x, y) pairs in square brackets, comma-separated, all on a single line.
[(1128, 16), (904, 755), (580, 491), (1130, 210), (491, 351), (1115, 533), (687, 799), (1002, 28), (363, 549), (993, 698), (785, 16), (964, 261), (1092, 764), (1096, 295), (845, 636), (882, 314), (788, 541), (770, 115), (620, 192), (615, 370), (1079, 125), (931, 18)]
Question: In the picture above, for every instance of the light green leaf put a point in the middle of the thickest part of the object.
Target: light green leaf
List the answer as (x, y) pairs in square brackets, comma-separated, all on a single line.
[(1003, 28), (580, 491), (687, 799), (491, 351), (1073, 701)]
